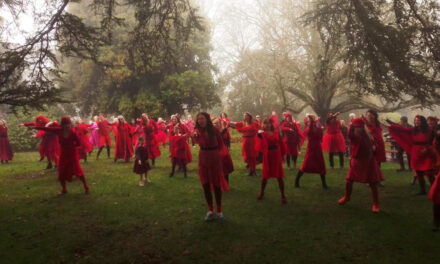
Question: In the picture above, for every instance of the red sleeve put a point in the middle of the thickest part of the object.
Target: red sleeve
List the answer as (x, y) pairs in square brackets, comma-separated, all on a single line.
[(402, 136), (28, 124), (239, 126), (54, 129)]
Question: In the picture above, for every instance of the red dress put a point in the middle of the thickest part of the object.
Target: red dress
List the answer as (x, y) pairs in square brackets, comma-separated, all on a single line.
[(161, 135), (185, 144), (179, 149), (226, 134), (68, 164), (291, 139), (379, 144), (249, 132), (415, 143), (313, 160), (82, 131), (5, 148), (271, 147), (363, 165), (141, 155), (333, 140), (150, 131), (210, 161), (123, 142), (50, 146), (104, 136), (228, 165)]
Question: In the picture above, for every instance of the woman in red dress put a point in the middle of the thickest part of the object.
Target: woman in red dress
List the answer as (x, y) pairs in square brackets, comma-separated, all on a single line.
[(228, 166), (50, 147), (161, 135), (374, 129), (226, 134), (6, 153), (175, 121), (69, 161), (363, 165), (123, 148), (333, 141), (104, 136), (292, 138), (434, 192), (179, 155), (150, 131), (313, 160), (210, 163), (418, 142), (249, 130), (433, 125), (82, 131), (271, 146)]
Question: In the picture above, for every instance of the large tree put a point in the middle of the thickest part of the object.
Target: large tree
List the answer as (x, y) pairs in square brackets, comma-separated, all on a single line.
[(155, 35), (304, 65)]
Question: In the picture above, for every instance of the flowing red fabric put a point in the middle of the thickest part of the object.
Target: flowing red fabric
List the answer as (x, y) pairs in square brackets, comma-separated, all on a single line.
[(179, 149), (228, 165), (82, 131), (226, 135), (183, 130), (275, 122), (142, 156), (161, 135), (313, 160), (434, 192), (333, 140), (363, 165), (379, 144), (50, 147), (415, 143), (104, 136), (150, 131), (210, 160), (6, 153), (271, 147), (68, 165), (249, 132), (292, 137), (123, 148)]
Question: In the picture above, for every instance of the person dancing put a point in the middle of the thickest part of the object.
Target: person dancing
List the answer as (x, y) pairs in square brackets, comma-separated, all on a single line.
[(314, 159), (68, 165), (6, 153), (150, 131), (418, 142), (123, 147), (292, 138), (210, 164), (271, 147), (333, 141), (104, 136), (141, 165), (228, 166), (363, 165), (249, 130)]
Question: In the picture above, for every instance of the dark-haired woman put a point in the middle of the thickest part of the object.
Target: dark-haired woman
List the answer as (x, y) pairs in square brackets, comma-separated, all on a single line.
[(314, 160), (210, 163), (292, 137), (333, 141), (226, 134), (375, 129), (363, 165), (418, 142), (271, 146), (248, 128), (150, 131), (123, 147), (228, 166), (69, 161)]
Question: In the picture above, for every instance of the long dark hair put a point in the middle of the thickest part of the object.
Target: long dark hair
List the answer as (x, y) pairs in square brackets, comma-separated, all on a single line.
[(250, 117), (423, 125), (270, 122), (210, 129), (376, 117)]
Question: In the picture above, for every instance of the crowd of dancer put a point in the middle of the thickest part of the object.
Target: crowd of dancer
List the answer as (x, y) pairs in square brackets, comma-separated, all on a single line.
[(266, 141)]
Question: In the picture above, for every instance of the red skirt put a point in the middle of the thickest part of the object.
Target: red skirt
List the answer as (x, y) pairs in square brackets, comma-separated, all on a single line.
[(313, 161), (69, 166), (291, 148), (5, 149), (248, 150), (228, 166), (434, 192), (161, 137), (50, 147), (210, 169), (365, 171), (104, 140), (273, 164), (422, 158), (333, 143)]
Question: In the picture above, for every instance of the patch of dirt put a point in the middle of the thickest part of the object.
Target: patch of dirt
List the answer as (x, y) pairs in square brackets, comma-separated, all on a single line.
[(32, 175)]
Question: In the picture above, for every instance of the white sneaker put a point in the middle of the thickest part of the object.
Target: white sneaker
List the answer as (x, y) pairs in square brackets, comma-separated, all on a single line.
[(141, 183), (148, 180), (209, 216), (221, 217)]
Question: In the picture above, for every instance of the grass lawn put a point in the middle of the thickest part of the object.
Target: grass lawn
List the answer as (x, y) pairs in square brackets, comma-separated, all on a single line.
[(120, 222)]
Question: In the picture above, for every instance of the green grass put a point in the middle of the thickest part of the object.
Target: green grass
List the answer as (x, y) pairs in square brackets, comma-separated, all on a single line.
[(121, 222)]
